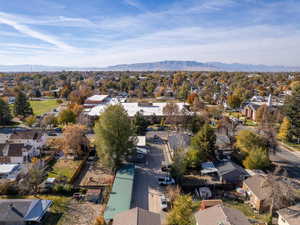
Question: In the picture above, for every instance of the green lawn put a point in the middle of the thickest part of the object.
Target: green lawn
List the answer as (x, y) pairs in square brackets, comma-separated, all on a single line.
[(64, 168), (44, 106)]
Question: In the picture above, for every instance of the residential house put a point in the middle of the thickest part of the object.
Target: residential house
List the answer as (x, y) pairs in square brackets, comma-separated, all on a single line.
[(257, 192), (23, 211), (137, 216), (289, 215), (9, 171), (34, 138), (230, 173), (16, 153), (220, 215)]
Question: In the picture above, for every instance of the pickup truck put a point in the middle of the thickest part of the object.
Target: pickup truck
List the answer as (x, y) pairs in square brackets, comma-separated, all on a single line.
[(166, 181)]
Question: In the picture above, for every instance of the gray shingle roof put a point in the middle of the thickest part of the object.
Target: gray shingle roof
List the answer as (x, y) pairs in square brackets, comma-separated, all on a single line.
[(19, 210), (257, 187), (137, 216), (221, 215), (230, 171)]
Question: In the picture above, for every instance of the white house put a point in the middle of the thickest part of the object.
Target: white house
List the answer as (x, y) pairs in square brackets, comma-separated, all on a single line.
[(9, 171), (289, 216), (33, 138), (16, 153)]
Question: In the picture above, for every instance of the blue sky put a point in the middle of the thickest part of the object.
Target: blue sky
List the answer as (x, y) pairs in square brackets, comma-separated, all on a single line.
[(108, 32)]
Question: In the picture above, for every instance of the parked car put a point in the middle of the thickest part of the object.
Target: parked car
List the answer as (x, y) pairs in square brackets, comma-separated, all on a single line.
[(78, 196), (163, 203), (166, 180), (58, 130), (52, 134)]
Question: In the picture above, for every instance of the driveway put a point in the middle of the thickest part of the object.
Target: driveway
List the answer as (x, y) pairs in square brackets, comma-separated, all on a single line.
[(146, 191)]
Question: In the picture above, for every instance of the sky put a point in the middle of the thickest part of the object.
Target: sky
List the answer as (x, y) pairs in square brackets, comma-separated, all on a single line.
[(109, 32)]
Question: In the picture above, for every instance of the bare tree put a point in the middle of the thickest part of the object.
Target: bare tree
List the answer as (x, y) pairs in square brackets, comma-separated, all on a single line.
[(75, 142), (171, 110), (281, 194)]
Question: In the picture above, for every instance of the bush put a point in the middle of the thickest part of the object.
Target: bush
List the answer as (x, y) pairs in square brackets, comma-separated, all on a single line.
[(63, 188)]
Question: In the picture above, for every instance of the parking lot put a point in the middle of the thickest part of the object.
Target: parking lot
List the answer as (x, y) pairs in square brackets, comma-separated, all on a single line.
[(147, 191)]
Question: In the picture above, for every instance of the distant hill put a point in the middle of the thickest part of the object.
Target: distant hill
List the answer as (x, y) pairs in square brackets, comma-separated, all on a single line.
[(158, 66)]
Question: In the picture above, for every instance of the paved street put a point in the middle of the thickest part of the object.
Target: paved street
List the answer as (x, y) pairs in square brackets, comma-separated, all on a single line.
[(286, 158), (289, 160), (146, 189)]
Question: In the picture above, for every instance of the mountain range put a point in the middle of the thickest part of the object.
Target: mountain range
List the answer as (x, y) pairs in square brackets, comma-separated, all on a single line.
[(157, 66)]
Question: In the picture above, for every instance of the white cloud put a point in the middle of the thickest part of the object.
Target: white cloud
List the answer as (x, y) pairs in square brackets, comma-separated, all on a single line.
[(263, 44), (35, 34)]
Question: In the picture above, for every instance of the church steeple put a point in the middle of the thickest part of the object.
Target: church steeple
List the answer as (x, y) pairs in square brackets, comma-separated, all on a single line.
[(270, 100)]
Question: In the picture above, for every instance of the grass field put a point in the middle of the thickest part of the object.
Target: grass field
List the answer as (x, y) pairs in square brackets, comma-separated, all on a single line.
[(64, 168), (44, 106)]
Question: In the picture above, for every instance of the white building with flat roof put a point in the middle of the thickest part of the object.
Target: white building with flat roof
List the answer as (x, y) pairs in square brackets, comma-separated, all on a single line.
[(132, 108)]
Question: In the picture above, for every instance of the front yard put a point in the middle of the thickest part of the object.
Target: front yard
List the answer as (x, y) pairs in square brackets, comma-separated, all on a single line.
[(65, 168)]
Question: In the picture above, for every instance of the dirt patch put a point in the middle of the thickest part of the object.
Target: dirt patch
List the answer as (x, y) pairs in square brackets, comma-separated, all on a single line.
[(80, 213), (96, 176)]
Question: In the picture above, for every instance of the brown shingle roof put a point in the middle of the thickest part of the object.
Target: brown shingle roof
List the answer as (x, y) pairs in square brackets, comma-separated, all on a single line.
[(220, 214), (291, 214), (257, 187), (15, 150), (137, 216), (29, 134)]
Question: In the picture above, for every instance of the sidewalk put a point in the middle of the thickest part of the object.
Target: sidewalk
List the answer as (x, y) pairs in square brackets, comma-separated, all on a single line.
[(167, 154), (290, 149)]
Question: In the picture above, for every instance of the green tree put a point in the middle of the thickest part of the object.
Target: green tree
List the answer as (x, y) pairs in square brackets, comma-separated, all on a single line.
[(292, 111), (30, 120), (234, 101), (194, 157), (5, 115), (194, 123), (183, 91), (140, 123), (247, 140), (204, 141), (257, 159), (114, 136), (179, 165), (285, 129), (22, 106), (66, 116), (181, 212)]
